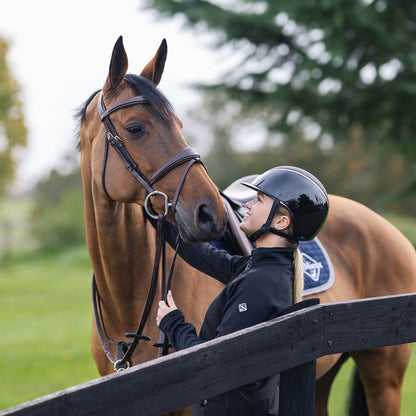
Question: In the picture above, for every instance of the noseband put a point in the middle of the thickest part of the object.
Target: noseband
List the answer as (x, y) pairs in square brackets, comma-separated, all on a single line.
[(187, 154), (125, 349)]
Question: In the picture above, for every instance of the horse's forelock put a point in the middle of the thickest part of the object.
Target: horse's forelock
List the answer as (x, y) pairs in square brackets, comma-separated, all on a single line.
[(151, 93)]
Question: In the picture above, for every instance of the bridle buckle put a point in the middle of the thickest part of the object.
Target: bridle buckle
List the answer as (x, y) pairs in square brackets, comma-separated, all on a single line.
[(113, 139)]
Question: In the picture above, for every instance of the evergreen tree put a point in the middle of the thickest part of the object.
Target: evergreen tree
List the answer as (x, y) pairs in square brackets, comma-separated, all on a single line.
[(383, 181), (342, 68)]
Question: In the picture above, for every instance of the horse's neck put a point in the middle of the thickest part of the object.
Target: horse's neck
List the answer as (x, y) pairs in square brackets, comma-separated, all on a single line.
[(120, 242)]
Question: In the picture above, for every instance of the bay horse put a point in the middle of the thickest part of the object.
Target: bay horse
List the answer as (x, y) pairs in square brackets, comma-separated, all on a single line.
[(369, 255)]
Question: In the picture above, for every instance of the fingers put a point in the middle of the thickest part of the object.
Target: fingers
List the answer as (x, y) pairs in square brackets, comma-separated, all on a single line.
[(170, 300), (161, 312), (165, 308)]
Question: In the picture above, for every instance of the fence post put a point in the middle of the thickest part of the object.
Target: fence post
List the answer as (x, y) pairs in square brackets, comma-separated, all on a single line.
[(297, 390), (297, 385)]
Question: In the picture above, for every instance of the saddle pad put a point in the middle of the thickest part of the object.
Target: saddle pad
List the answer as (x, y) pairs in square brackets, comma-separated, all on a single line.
[(318, 270)]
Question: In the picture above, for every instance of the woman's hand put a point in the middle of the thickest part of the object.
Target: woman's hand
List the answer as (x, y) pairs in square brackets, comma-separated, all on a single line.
[(164, 308)]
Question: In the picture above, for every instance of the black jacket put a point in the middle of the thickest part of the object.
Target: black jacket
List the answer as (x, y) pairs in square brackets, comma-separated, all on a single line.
[(258, 288)]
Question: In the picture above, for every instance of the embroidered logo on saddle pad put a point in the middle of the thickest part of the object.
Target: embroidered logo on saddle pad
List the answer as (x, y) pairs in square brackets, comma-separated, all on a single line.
[(318, 270)]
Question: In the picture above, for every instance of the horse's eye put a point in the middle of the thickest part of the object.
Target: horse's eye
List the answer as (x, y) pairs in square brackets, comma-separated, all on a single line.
[(136, 129)]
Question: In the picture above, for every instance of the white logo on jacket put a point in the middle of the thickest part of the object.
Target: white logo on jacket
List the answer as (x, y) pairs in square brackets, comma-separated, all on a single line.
[(242, 307)]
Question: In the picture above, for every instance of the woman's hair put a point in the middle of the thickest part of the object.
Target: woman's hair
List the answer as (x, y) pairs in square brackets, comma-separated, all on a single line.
[(298, 276), (298, 261)]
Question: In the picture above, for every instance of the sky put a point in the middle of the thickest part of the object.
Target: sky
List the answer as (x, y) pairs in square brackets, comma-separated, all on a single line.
[(60, 52)]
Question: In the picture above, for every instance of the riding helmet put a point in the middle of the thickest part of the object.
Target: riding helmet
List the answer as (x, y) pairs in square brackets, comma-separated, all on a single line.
[(298, 191)]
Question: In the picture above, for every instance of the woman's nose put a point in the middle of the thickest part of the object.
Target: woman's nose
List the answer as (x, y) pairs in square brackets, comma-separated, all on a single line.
[(249, 204)]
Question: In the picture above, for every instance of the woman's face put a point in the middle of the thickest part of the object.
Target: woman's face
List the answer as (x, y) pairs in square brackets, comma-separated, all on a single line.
[(258, 210)]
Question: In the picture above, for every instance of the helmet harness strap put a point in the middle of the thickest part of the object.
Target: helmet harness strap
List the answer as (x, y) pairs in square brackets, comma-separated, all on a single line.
[(267, 226)]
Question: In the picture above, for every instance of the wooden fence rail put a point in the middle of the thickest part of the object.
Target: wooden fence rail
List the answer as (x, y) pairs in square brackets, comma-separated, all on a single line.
[(200, 372)]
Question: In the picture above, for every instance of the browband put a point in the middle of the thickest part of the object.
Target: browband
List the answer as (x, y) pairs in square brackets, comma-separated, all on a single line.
[(139, 99)]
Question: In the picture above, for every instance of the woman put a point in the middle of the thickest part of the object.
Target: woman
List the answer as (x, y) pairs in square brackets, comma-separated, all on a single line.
[(291, 205)]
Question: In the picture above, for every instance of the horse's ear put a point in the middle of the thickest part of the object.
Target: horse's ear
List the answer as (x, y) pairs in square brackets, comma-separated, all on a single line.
[(118, 66), (154, 69)]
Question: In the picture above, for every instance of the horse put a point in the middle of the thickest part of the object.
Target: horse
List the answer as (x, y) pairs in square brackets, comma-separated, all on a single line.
[(369, 255), (120, 240)]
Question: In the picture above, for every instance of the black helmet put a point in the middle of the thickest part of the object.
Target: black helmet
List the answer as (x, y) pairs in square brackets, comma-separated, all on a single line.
[(301, 193)]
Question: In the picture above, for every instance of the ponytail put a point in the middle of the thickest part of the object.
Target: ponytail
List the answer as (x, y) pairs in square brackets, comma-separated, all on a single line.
[(298, 259), (298, 276)]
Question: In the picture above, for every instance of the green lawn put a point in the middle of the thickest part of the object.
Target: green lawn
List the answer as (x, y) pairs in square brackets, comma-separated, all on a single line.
[(45, 327)]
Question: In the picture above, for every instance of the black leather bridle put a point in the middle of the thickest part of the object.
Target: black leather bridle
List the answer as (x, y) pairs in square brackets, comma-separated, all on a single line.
[(189, 155)]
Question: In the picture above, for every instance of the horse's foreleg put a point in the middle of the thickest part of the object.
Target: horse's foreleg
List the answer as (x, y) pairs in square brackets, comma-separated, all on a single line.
[(381, 371), (323, 387)]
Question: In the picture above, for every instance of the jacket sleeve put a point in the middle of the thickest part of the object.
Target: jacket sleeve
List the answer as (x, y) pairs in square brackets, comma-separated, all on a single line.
[(181, 334), (218, 264)]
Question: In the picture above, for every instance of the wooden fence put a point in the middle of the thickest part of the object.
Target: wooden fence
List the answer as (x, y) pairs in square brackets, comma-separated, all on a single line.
[(200, 372)]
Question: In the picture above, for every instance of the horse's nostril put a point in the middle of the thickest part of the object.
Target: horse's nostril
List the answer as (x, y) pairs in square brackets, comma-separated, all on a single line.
[(204, 217)]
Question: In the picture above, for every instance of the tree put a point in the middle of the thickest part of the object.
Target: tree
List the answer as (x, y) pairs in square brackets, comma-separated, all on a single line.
[(13, 131), (383, 181), (342, 67)]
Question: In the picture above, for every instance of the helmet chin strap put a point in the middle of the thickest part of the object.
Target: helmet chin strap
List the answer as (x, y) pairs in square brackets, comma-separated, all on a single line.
[(267, 227)]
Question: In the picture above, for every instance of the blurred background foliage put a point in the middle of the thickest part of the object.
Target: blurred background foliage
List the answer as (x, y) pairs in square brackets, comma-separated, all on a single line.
[(57, 215), (327, 70), (13, 131)]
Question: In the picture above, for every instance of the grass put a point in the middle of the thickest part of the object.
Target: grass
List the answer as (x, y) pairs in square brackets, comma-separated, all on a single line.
[(45, 325)]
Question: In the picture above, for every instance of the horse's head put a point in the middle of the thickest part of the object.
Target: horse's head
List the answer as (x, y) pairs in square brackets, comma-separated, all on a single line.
[(145, 135)]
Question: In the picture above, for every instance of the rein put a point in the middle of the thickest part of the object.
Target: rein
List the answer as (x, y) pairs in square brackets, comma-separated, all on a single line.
[(125, 349)]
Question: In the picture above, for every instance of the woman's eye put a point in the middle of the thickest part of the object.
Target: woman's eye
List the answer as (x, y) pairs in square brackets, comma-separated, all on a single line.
[(136, 129)]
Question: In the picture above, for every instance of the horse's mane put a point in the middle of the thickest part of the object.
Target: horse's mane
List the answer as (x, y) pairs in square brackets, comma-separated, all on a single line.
[(79, 116), (160, 104)]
